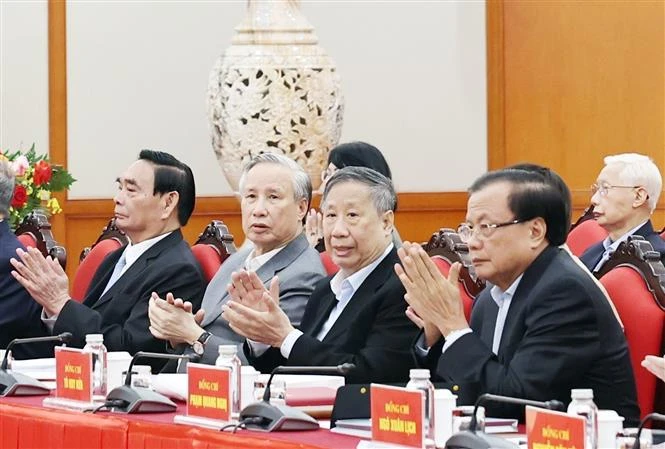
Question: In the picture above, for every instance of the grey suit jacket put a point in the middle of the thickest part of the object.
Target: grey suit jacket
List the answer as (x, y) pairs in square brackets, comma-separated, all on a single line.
[(298, 267)]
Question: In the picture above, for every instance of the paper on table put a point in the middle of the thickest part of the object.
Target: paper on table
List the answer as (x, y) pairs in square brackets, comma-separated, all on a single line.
[(44, 369)]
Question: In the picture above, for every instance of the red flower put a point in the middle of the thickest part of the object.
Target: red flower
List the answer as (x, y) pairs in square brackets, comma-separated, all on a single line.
[(20, 197), (42, 173)]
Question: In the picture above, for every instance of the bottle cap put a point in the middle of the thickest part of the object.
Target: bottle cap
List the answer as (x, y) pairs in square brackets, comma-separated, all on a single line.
[(581, 393), (94, 338), (227, 349), (419, 374)]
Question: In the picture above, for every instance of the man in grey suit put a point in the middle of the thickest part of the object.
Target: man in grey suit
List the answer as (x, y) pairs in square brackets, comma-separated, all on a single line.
[(275, 195)]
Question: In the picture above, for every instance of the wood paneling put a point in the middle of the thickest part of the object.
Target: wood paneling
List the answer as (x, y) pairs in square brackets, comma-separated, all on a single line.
[(572, 81)]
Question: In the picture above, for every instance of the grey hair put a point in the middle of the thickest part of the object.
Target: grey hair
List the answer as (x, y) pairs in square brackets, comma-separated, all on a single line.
[(7, 180), (638, 170), (302, 185), (381, 188)]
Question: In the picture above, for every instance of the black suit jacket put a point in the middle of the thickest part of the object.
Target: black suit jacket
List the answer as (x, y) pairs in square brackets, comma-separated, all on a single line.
[(560, 333), (594, 253), (19, 314), (372, 332), (121, 314)]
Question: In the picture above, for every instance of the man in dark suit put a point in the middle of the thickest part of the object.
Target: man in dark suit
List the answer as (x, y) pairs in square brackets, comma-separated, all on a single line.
[(155, 197), (357, 316), (541, 328), (624, 197), (17, 309)]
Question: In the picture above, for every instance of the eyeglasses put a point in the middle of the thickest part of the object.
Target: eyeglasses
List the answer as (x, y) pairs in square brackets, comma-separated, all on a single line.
[(604, 188), (485, 230)]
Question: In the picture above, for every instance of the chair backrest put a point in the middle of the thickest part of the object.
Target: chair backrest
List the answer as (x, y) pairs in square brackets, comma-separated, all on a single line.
[(445, 247), (662, 233), (35, 231), (213, 247), (109, 232), (584, 235), (635, 280), (89, 265), (328, 264)]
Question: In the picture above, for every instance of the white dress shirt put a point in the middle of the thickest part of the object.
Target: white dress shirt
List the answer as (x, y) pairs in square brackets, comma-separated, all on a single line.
[(611, 246), (130, 254)]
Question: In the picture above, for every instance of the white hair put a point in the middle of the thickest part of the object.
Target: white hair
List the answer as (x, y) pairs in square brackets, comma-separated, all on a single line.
[(302, 185), (638, 170)]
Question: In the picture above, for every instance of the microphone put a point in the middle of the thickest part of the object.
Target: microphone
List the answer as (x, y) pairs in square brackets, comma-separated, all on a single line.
[(649, 417), (471, 439), (269, 417), (17, 384), (128, 399)]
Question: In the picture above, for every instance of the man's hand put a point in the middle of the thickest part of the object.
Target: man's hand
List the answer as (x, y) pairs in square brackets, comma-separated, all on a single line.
[(314, 227), (247, 288), (172, 319), (656, 365), (429, 293), (43, 278), (432, 333), (265, 324)]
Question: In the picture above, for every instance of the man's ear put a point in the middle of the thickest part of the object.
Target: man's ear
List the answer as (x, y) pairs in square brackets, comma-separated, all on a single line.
[(170, 202), (388, 221), (303, 207), (641, 197), (537, 231)]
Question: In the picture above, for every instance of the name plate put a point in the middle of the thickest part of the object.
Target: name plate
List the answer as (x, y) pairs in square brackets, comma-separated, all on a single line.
[(73, 374), (548, 429), (397, 415), (208, 392)]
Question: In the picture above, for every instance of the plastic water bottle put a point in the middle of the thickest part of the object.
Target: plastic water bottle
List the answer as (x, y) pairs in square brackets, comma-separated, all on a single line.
[(419, 380), (228, 358), (582, 404), (94, 344)]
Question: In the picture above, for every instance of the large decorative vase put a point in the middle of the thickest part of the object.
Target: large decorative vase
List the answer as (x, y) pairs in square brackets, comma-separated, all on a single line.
[(274, 90)]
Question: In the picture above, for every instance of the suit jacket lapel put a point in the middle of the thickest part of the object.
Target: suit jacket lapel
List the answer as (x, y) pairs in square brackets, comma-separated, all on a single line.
[(137, 267), (365, 292), (216, 294)]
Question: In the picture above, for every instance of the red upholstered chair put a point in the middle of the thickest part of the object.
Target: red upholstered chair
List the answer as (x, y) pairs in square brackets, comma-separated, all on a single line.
[(35, 232), (635, 280), (445, 247), (108, 241), (584, 233), (330, 266), (213, 247), (662, 233)]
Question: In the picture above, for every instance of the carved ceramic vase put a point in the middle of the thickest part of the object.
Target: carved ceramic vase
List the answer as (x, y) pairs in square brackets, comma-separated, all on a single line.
[(274, 90)]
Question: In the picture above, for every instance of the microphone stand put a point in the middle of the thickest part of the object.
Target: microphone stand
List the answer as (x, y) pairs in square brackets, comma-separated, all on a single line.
[(128, 399), (269, 417), (473, 439), (649, 417), (17, 384)]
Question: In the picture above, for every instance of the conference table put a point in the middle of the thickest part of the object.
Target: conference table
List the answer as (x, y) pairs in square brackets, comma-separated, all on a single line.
[(26, 424)]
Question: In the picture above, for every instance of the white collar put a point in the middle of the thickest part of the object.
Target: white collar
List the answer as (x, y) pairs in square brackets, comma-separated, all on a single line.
[(499, 296), (134, 251), (613, 245), (253, 263), (356, 279)]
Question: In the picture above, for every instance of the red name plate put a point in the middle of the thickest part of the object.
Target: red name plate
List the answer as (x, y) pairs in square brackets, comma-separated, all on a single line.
[(547, 428), (209, 390), (73, 374), (397, 415)]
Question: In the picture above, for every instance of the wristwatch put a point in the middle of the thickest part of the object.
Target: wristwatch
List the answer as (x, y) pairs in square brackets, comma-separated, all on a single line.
[(200, 344)]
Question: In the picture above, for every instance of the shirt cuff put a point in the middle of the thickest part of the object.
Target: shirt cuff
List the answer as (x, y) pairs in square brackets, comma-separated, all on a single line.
[(420, 348), (49, 322), (453, 337), (257, 348), (289, 342)]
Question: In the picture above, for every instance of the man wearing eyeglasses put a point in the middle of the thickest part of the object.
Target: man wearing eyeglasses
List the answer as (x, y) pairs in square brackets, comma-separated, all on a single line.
[(541, 327), (623, 198)]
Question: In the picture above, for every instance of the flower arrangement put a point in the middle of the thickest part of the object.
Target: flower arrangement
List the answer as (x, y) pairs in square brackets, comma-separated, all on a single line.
[(36, 180)]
